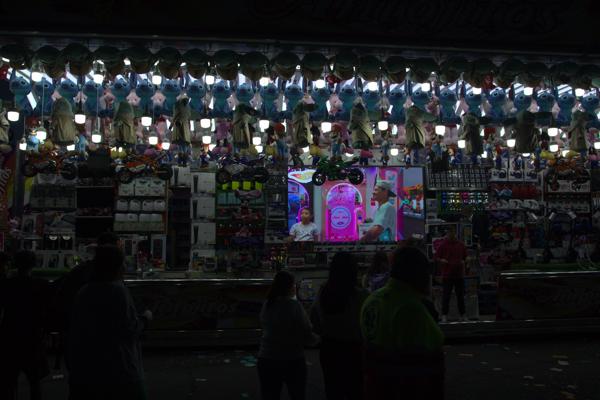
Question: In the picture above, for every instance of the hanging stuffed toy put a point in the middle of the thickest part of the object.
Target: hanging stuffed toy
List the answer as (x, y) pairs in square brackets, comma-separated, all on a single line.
[(415, 131), (63, 126), (315, 146), (360, 126), (171, 89), (4, 127), (124, 130), (448, 99), (145, 90), (566, 102), (474, 102), (470, 132), (20, 88), (421, 99), (269, 95), (590, 103), (240, 128), (337, 144), (347, 96), (293, 94), (282, 147), (320, 97), (521, 102), (120, 89), (220, 93), (196, 91), (497, 100), (397, 99), (371, 99), (196, 62), (545, 101), (43, 91), (301, 135), (92, 91), (181, 134), (386, 144), (526, 134), (577, 133)]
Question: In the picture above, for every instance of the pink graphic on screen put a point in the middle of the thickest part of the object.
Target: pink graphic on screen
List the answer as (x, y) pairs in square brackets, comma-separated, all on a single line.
[(343, 204)]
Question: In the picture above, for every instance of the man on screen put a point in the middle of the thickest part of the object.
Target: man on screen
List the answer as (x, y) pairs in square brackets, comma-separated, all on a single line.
[(384, 223)]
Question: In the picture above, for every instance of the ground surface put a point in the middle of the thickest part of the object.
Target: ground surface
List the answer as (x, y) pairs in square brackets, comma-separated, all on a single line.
[(533, 369)]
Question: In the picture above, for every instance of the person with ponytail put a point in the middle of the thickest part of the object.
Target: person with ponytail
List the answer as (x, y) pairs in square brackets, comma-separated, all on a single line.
[(336, 317)]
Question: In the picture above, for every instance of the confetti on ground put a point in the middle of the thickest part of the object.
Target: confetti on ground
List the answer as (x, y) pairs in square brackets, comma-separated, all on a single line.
[(560, 357), (562, 362), (465, 355), (497, 369), (528, 377), (556, 369)]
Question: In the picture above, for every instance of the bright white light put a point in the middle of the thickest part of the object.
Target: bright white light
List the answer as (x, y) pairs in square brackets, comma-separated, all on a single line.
[(209, 79), (426, 87), (511, 142), (484, 155), (264, 81), (284, 106), (320, 83), (183, 64), (525, 154), (41, 134), (146, 121), (256, 140), (80, 119), (96, 137), (553, 147), (565, 152), (528, 91), (298, 67), (597, 145), (382, 125), (153, 140), (206, 139), (325, 126), (127, 62), (13, 116), (394, 130), (394, 151), (98, 78), (305, 149), (372, 86), (211, 146), (36, 76), (258, 148), (440, 129), (205, 123), (166, 145), (71, 147), (502, 132), (552, 132), (476, 90), (23, 145), (579, 92), (156, 79), (6, 60), (462, 143), (482, 133), (263, 124), (120, 150), (192, 125)]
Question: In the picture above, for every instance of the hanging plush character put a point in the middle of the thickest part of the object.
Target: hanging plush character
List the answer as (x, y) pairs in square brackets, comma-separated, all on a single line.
[(385, 147), (448, 99), (470, 132), (521, 102), (33, 143), (269, 95), (196, 91), (545, 101), (315, 146), (123, 127), (360, 126), (590, 103), (181, 134), (222, 129), (20, 88), (301, 134), (43, 91), (415, 131), (474, 102), (397, 99), (92, 91), (240, 128), (145, 90), (120, 88), (526, 134), (347, 96), (170, 88), (371, 99), (566, 102), (220, 93), (81, 145), (320, 97), (63, 126), (282, 148), (497, 100), (293, 95), (4, 127), (577, 133), (421, 99)]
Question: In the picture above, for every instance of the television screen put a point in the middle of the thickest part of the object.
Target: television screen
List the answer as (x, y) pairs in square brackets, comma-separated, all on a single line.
[(345, 212)]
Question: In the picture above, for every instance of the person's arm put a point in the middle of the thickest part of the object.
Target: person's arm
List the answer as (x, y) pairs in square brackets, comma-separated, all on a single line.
[(292, 236), (129, 326), (309, 337), (372, 234), (315, 234)]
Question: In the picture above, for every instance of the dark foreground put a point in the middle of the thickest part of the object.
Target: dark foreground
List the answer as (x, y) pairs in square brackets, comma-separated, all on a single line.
[(546, 369)]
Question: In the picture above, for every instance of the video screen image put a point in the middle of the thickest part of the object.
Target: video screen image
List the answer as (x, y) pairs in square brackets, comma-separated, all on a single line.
[(343, 212)]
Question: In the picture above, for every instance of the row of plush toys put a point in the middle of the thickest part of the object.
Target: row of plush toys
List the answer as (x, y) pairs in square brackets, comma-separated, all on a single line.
[(237, 107)]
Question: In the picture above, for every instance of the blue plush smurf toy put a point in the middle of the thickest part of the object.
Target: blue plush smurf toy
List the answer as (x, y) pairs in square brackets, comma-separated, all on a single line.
[(420, 99), (220, 93), (43, 91), (244, 93), (448, 101), (347, 96), (545, 101), (144, 90), (293, 94), (170, 88), (20, 88), (397, 98), (521, 102), (196, 91), (92, 91), (566, 102), (269, 95), (320, 97), (474, 102), (590, 103), (497, 100)]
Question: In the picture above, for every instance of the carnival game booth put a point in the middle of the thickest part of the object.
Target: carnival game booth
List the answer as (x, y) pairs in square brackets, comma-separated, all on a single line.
[(202, 156)]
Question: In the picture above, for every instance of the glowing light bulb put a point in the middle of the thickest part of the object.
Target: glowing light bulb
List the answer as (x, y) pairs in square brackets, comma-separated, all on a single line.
[(511, 142), (23, 145), (41, 134), (372, 86), (264, 81), (553, 147), (258, 148), (394, 151), (565, 152), (320, 83), (211, 146), (476, 90), (209, 79), (382, 125), (166, 145), (305, 149), (98, 78), (156, 79), (462, 143), (263, 124), (153, 139), (528, 91), (192, 125), (146, 121), (394, 130), (71, 147), (206, 139), (12, 115), (552, 132), (484, 155), (502, 132), (526, 154), (597, 145), (127, 62), (440, 129), (36, 76), (256, 140), (80, 119), (579, 92), (482, 133), (205, 123), (326, 126), (426, 87), (96, 137)]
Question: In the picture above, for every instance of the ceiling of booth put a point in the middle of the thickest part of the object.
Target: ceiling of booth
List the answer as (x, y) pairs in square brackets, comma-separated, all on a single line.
[(548, 26)]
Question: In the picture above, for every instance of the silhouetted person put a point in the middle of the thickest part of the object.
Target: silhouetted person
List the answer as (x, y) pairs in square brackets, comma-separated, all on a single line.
[(286, 330), (23, 302), (378, 273), (336, 317), (403, 344), (452, 254), (103, 352)]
